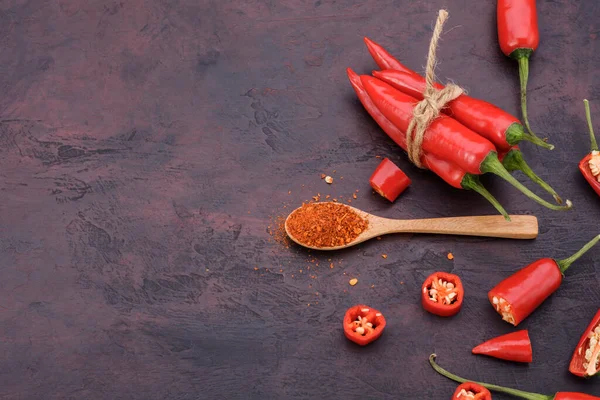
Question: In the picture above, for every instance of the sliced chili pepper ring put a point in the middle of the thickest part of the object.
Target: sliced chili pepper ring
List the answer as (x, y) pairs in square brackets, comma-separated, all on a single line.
[(586, 358), (442, 294), (363, 324), (471, 391)]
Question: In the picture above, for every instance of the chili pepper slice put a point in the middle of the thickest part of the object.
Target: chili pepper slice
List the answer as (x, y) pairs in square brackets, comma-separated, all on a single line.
[(442, 294), (517, 296), (363, 324), (388, 180), (471, 391), (519, 37), (513, 392), (446, 138), (491, 122), (586, 357), (590, 164), (450, 173), (515, 346)]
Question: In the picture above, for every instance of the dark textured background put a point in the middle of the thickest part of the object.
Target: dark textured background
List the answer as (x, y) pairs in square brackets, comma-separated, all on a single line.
[(145, 145)]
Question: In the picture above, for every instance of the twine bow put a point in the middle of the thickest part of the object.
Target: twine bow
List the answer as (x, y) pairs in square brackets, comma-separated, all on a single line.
[(434, 100)]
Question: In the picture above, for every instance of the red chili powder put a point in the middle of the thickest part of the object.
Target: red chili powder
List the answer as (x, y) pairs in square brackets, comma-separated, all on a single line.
[(326, 224)]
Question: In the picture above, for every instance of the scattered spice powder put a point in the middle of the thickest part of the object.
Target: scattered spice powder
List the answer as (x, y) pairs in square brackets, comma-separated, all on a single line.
[(326, 224), (353, 281), (323, 176), (354, 195), (450, 256)]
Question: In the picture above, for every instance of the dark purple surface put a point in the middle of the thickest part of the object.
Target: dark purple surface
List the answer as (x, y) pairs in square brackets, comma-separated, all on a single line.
[(144, 145)]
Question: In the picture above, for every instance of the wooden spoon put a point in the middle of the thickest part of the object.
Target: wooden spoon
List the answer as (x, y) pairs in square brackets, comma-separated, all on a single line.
[(520, 227)]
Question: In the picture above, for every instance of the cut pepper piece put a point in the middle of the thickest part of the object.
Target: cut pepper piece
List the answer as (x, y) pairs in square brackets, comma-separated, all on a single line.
[(442, 294), (363, 324), (517, 296), (388, 180), (586, 357), (590, 164), (471, 391), (515, 346)]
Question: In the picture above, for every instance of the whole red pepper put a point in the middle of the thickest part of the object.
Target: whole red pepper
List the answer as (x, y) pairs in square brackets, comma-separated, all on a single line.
[(442, 294), (445, 137), (489, 121), (363, 324), (471, 391), (450, 173), (517, 296), (513, 392), (590, 164), (519, 37), (388, 180), (515, 346), (586, 357)]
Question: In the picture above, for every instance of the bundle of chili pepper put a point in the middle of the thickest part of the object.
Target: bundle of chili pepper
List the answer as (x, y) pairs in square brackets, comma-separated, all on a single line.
[(586, 357), (513, 392), (445, 138), (449, 172), (491, 122), (590, 164), (519, 37), (517, 296)]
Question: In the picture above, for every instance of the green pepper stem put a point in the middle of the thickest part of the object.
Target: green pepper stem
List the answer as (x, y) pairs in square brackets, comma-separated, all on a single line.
[(516, 133), (566, 263), (588, 117), (514, 161), (493, 165), (471, 182), (513, 392), (522, 56)]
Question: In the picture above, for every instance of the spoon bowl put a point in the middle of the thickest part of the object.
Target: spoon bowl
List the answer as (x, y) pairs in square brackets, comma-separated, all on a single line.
[(520, 227)]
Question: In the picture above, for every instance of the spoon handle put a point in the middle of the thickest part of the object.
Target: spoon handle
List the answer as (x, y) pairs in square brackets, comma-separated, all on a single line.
[(520, 226)]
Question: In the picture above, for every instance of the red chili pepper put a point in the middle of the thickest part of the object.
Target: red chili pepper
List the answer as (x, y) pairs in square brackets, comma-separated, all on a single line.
[(519, 37), (449, 172), (445, 137), (513, 392), (388, 180), (517, 296), (383, 59), (442, 294), (515, 346), (363, 324), (586, 357), (590, 165), (489, 121), (471, 391)]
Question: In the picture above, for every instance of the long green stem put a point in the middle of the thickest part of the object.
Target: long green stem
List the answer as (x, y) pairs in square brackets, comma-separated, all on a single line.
[(493, 165), (471, 182), (516, 133), (523, 59), (513, 392), (514, 161), (566, 263), (588, 117)]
